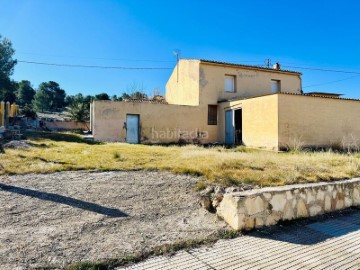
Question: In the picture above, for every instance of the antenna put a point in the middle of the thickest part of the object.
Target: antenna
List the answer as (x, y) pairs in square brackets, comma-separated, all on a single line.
[(176, 52), (268, 62)]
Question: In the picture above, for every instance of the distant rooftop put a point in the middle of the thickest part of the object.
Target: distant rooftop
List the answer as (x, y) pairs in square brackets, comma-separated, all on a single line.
[(324, 94), (248, 66)]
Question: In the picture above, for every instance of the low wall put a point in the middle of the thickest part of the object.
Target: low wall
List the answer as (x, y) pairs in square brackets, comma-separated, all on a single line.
[(67, 125), (267, 206)]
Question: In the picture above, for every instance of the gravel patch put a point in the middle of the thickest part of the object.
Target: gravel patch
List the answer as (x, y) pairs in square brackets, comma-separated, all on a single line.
[(55, 219)]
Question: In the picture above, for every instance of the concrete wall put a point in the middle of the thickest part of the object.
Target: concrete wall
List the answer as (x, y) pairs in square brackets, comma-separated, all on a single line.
[(267, 206), (316, 121), (260, 121), (182, 87), (159, 123)]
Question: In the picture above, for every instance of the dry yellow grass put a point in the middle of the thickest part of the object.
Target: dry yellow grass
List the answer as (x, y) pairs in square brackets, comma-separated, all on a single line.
[(58, 152)]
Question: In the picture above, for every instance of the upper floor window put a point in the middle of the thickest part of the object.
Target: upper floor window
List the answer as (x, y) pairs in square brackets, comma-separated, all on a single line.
[(230, 83), (275, 86)]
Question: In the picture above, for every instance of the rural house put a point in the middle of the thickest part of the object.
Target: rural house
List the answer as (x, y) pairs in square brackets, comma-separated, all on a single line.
[(216, 102)]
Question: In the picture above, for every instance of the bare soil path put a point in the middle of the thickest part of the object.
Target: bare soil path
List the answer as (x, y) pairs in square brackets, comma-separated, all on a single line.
[(55, 219)]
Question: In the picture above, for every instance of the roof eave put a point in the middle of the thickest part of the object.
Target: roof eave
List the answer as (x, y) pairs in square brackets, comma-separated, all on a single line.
[(215, 63)]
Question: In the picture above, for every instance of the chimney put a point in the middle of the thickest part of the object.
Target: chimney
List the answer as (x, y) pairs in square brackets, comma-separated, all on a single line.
[(276, 66)]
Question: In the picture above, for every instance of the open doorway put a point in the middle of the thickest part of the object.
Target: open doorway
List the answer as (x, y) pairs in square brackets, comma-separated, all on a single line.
[(238, 126)]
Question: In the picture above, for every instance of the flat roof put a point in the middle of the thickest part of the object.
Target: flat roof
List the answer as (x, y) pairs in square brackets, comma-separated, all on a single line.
[(287, 93), (247, 66)]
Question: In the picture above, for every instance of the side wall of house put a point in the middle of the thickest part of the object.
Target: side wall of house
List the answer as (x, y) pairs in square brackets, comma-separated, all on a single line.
[(259, 121), (248, 82), (316, 121), (182, 87), (159, 123)]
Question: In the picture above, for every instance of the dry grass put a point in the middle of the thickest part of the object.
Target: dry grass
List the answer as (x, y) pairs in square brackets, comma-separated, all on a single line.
[(57, 152)]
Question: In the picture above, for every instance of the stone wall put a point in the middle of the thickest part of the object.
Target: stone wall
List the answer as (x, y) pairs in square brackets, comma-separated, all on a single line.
[(266, 206)]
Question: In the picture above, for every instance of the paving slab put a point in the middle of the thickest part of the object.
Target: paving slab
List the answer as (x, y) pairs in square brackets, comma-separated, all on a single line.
[(323, 243)]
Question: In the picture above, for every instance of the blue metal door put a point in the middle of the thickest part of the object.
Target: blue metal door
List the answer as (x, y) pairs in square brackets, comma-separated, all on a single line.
[(132, 128), (229, 127)]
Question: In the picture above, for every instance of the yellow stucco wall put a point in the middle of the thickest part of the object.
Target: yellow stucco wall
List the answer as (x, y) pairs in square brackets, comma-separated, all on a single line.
[(183, 85), (260, 121), (195, 82), (316, 121), (249, 82), (159, 123)]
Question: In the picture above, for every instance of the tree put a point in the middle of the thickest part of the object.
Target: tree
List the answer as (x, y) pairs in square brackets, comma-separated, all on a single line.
[(25, 93), (7, 64), (135, 91), (42, 100), (125, 96), (136, 95), (49, 96), (79, 108), (56, 95), (7, 91), (139, 95), (88, 99), (59, 98), (28, 112), (102, 96)]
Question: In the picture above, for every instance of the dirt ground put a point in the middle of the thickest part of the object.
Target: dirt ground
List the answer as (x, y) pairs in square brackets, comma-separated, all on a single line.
[(55, 219)]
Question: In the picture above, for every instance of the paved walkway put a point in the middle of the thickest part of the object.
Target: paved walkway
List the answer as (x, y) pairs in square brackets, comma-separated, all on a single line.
[(332, 243)]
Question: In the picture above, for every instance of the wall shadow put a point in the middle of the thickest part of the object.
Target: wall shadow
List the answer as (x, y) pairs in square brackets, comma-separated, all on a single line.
[(52, 197), (313, 230)]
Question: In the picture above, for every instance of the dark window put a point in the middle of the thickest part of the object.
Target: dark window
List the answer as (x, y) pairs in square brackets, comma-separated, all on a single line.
[(212, 115)]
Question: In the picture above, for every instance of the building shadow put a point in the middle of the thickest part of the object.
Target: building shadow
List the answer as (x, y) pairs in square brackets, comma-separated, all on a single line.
[(314, 230), (52, 197)]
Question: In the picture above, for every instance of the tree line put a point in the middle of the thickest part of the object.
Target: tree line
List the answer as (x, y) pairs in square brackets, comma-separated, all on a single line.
[(48, 96)]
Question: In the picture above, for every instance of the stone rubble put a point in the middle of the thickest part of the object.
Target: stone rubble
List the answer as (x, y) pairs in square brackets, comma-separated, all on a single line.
[(17, 145)]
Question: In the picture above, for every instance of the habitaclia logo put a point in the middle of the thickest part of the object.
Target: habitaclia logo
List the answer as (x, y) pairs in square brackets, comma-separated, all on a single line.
[(170, 135)]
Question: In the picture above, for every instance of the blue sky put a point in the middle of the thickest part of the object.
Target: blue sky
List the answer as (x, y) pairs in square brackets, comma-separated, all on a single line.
[(318, 34)]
